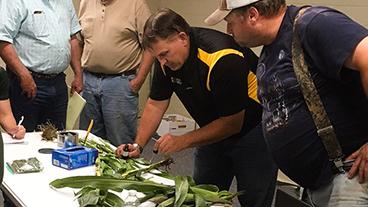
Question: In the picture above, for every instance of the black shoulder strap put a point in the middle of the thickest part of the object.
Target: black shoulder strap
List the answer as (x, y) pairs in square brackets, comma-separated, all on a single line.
[(323, 124)]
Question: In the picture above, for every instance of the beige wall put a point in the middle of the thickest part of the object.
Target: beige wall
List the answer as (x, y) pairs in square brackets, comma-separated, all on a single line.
[(195, 12)]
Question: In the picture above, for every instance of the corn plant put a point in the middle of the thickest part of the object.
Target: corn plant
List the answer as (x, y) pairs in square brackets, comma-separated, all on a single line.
[(114, 174)]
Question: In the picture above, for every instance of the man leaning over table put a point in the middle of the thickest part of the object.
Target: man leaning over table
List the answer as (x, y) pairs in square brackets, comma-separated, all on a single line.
[(37, 43), (211, 75)]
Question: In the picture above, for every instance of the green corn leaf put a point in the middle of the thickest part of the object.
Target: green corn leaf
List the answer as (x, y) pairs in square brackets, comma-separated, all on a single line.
[(105, 183), (113, 200), (209, 187), (208, 195), (191, 181), (189, 199), (138, 171), (199, 201), (228, 195), (167, 203), (181, 190), (88, 197), (158, 198)]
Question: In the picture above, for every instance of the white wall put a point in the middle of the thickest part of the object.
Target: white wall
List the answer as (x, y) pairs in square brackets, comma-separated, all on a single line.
[(195, 12)]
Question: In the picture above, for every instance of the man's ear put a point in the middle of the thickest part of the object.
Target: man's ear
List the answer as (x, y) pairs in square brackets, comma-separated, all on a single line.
[(183, 37), (253, 14)]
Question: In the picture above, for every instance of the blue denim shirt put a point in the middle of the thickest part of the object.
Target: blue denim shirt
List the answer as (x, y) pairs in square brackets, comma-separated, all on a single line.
[(40, 32)]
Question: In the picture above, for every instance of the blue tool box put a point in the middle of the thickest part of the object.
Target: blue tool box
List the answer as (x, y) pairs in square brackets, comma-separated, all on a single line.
[(74, 157)]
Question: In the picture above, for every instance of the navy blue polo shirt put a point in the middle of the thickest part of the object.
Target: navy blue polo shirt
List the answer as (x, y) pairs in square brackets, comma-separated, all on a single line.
[(327, 38)]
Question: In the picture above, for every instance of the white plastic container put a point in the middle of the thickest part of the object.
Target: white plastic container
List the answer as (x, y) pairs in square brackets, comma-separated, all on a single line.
[(175, 124)]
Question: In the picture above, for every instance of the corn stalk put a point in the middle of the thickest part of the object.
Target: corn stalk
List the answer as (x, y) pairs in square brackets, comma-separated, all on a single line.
[(114, 174)]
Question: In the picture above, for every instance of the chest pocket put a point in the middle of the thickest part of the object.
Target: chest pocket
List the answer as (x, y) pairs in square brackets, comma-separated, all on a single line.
[(39, 24)]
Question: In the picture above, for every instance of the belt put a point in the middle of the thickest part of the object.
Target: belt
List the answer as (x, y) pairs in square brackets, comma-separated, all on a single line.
[(43, 76), (124, 73), (347, 164)]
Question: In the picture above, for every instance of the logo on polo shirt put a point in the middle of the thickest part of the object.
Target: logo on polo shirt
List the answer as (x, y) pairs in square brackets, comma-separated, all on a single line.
[(176, 81)]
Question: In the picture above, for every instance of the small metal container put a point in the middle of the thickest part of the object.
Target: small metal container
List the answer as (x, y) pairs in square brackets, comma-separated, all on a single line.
[(67, 139)]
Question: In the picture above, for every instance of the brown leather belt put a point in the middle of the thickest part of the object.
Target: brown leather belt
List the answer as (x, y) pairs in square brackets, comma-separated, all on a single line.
[(125, 73)]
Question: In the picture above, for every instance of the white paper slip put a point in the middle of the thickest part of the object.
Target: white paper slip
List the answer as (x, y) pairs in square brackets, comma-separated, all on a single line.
[(7, 139)]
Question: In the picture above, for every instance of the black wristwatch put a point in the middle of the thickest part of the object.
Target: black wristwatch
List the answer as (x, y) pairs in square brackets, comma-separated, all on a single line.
[(136, 145)]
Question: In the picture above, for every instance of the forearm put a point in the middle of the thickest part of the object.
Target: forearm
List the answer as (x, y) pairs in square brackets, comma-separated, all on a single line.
[(144, 67), (215, 131), (11, 59), (150, 120), (76, 53), (7, 120)]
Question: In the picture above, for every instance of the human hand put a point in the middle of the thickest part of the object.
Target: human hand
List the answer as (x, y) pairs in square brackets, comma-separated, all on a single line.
[(18, 132), (169, 144), (134, 152), (28, 85), (77, 84), (135, 85), (360, 166)]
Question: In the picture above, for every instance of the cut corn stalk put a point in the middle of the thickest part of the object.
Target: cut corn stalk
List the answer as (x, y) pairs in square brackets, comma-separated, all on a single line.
[(118, 174)]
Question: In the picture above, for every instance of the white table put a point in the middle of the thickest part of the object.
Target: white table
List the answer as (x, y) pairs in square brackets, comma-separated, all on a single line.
[(32, 189)]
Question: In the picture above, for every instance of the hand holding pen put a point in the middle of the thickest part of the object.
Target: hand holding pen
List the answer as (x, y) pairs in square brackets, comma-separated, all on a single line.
[(20, 130)]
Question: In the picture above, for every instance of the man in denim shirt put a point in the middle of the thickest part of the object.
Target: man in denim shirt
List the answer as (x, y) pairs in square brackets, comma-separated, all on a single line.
[(38, 42)]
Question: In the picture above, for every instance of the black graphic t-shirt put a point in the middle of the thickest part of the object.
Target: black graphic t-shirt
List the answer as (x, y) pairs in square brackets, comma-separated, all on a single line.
[(328, 38)]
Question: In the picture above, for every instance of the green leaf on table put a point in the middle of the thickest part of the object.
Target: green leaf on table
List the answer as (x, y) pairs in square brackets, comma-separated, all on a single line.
[(88, 196), (209, 187), (199, 201), (181, 190), (167, 203)]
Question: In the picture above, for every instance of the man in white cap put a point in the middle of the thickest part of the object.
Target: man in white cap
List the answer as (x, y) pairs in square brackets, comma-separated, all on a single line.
[(335, 50)]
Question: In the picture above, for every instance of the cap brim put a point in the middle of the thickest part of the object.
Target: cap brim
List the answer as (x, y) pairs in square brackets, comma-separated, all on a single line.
[(216, 17)]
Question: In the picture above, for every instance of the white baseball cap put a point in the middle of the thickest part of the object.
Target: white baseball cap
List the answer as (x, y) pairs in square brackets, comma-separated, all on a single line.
[(224, 9)]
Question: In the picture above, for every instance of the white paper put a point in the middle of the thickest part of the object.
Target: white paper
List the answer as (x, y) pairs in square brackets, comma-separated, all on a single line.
[(7, 139)]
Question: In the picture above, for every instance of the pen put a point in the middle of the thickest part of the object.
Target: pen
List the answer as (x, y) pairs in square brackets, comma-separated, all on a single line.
[(19, 123)]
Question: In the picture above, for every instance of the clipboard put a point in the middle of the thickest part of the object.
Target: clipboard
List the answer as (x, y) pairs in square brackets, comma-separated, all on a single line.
[(76, 104)]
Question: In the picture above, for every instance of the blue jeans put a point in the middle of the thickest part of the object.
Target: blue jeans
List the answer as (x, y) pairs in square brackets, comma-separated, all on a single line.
[(112, 105), (341, 192), (50, 103), (247, 158)]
